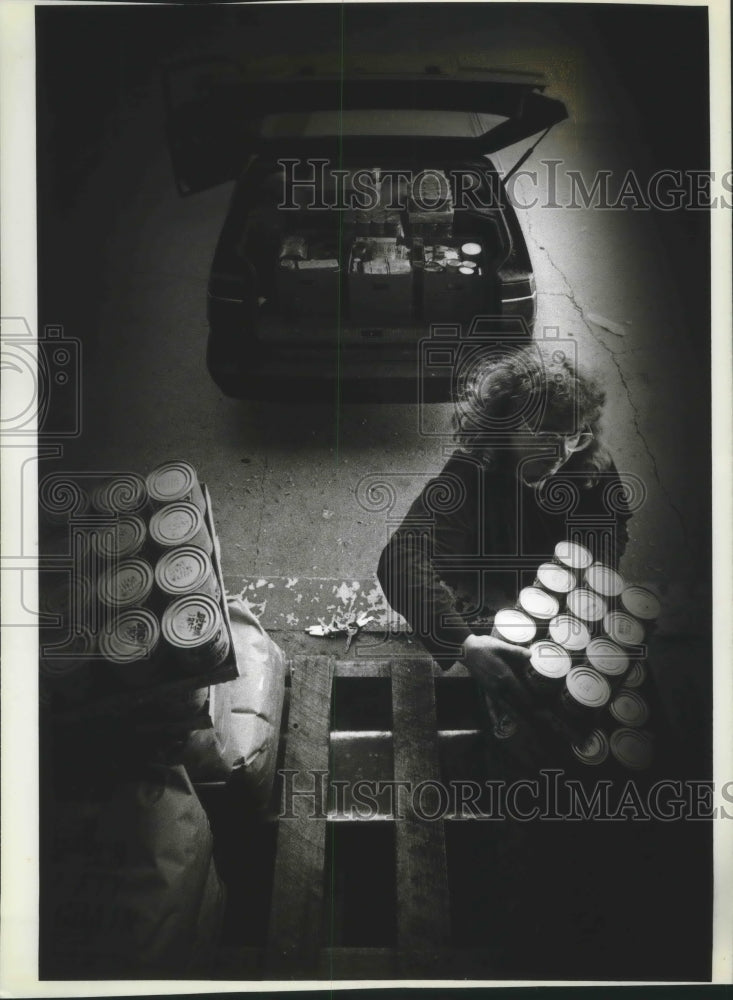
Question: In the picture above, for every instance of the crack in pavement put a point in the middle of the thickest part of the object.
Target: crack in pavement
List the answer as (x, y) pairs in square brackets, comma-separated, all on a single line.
[(570, 295)]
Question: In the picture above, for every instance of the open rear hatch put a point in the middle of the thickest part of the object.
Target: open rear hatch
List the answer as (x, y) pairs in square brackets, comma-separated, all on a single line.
[(220, 112)]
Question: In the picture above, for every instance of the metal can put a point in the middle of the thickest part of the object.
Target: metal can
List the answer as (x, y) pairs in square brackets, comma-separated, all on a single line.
[(586, 692), (640, 603), (537, 603), (628, 708), (569, 633), (555, 579), (126, 494), (175, 481), (593, 750), (623, 629), (573, 555), (122, 540), (179, 524), (604, 581), (471, 249), (514, 626), (194, 631), (548, 666), (608, 659), (632, 748), (131, 646), (186, 570), (126, 585), (636, 675), (587, 606)]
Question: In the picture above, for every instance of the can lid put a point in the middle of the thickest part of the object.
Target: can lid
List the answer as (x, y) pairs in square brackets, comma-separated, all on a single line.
[(636, 675), (133, 636), (171, 481), (588, 687), (175, 523), (182, 569), (470, 264), (124, 538), (606, 657), (538, 603), (569, 632), (549, 659), (466, 270), (471, 249), (593, 750), (629, 708), (633, 748), (127, 584), (558, 579), (586, 605), (126, 494), (189, 622), (641, 603), (514, 626), (624, 629), (573, 555), (604, 580)]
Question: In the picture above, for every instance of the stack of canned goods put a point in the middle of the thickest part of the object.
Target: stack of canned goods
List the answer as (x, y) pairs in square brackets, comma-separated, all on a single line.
[(584, 628), (147, 583)]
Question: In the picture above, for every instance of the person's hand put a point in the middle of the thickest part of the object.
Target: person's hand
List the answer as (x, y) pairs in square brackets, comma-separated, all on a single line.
[(490, 662)]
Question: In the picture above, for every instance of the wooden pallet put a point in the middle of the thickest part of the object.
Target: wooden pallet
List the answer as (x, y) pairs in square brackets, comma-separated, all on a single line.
[(298, 942)]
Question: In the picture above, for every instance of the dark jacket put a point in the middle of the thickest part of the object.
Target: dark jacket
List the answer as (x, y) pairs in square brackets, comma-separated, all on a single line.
[(476, 535)]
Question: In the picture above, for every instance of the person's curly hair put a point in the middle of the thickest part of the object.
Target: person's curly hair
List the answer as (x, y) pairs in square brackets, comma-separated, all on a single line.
[(529, 387)]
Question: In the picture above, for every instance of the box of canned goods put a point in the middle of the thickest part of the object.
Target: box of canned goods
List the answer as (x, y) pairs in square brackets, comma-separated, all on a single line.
[(588, 607), (608, 659), (593, 750), (194, 633), (514, 626), (633, 749), (572, 555), (628, 708), (179, 523), (186, 570), (132, 646), (604, 581), (623, 629), (122, 540), (547, 667), (555, 579), (127, 585), (569, 633), (175, 481)]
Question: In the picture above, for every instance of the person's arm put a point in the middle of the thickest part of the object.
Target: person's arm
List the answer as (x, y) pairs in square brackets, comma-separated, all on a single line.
[(407, 572)]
